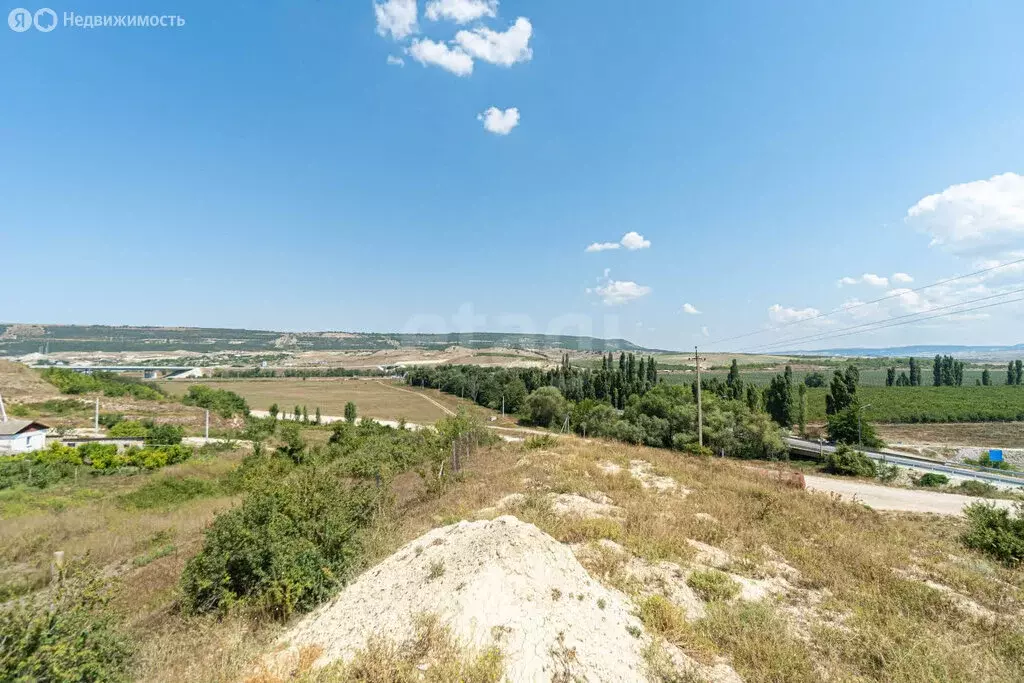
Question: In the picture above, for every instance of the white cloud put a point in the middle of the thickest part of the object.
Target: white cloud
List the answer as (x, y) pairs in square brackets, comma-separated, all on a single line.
[(496, 47), (705, 331), (427, 52), (981, 217), (499, 122), (901, 278), (690, 309), (783, 314), (634, 240), (395, 61), (846, 281), (461, 11), (631, 241), (617, 292), (397, 17), (875, 280), (607, 272)]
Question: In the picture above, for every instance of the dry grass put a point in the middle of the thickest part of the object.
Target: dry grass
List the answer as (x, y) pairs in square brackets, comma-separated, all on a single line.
[(871, 622), (18, 383), (986, 434), (379, 399)]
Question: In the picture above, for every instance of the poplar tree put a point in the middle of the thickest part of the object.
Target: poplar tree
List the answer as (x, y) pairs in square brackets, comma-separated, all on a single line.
[(937, 371), (890, 377)]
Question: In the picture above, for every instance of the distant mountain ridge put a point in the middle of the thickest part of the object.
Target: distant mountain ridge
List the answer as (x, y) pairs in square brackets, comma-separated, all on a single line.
[(977, 351), (20, 339)]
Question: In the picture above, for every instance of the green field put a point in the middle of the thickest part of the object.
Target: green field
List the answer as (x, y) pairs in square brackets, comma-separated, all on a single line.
[(931, 404)]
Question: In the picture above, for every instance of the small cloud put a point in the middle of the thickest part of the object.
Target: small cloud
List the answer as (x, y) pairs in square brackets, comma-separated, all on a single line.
[(504, 49), (395, 61), (451, 59), (618, 292), (607, 272), (705, 331), (847, 281), (875, 280), (634, 240), (397, 17), (902, 278), (461, 11), (690, 309), (499, 122), (784, 314), (602, 246)]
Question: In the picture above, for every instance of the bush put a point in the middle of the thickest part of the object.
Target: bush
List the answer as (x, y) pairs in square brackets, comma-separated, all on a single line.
[(542, 441), (999, 532), (985, 460), (169, 491), (164, 435), (128, 429), (932, 480), (225, 403), (110, 384), (287, 548), (70, 636), (850, 463), (546, 406), (973, 487), (849, 428), (713, 585)]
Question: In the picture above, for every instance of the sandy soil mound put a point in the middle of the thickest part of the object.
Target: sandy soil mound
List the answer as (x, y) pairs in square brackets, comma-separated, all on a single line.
[(498, 581)]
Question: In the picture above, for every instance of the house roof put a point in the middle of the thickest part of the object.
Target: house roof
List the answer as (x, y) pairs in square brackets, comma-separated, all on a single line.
[(12, 427)]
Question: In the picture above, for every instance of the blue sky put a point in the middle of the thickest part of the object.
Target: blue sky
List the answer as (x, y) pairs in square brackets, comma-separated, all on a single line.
[(272, 165)]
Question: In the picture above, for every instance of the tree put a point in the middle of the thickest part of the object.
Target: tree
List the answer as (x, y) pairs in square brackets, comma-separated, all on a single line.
[(350, 412), (849, 426), (297, 415), (915, 372), (305, 415), (273, 411), (317, 419), (778, 401), (814, 379), (842, 390), (937, 371), (903, 380), (890, 377), (1019, 370), (802, 410), (753, 398), (734, 383), (546, 406)]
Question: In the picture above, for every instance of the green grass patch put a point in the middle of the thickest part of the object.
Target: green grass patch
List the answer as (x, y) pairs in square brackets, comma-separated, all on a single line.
[(168, 492), (713, 585), (999, 403)]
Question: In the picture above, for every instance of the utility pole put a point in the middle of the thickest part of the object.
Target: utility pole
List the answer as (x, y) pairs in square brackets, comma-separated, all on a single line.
[(96, 417), (207, 424), (503, 405), (3, 411), (700, 414)]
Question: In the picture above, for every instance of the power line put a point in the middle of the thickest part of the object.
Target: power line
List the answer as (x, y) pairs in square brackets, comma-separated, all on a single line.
[(797, 340), (840, 309), (897, 322)]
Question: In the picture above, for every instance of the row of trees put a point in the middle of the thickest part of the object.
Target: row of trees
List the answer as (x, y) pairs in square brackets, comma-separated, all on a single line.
[(949, 372), (1015, 372), (904, 380), (507, 388)]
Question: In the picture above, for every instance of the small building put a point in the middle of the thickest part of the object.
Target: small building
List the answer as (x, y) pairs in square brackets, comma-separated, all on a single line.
[(22, 436), (122, 442)]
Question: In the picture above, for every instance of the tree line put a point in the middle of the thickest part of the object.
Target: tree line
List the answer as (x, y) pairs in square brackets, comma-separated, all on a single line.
[(949, 372)]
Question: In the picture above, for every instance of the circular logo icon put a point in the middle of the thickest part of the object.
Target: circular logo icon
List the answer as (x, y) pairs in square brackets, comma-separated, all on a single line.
[(45, 20), (20, 20)]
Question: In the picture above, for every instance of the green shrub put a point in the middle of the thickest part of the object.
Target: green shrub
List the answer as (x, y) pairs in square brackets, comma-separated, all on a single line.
[(998, 532), (543, 441), (850, 463), (69, 636), (169, 491), (108, 383), (932, 480), (973, 487), (164, 435), (225, 403), (287, 548), (128, 429), (984, 460), (109, 420), (713, 585)]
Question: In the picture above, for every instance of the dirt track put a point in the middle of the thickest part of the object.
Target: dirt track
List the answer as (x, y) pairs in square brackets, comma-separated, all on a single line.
[(890, 498)]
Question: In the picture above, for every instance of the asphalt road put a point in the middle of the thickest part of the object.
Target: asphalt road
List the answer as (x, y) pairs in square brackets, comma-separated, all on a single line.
[(812, 447)]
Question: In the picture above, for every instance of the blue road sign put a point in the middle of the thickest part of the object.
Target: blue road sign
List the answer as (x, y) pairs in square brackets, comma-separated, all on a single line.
[(995, 455)]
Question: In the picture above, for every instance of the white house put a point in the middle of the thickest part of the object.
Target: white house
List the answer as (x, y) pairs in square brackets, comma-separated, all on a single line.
[(22, 436)]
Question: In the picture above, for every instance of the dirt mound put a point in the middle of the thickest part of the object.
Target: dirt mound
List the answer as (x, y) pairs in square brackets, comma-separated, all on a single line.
[(19, 383), (495, 582)]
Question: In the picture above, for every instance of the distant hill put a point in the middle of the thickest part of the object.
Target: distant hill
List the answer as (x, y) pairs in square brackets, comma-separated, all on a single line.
[(17, 340), (994, 352)]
